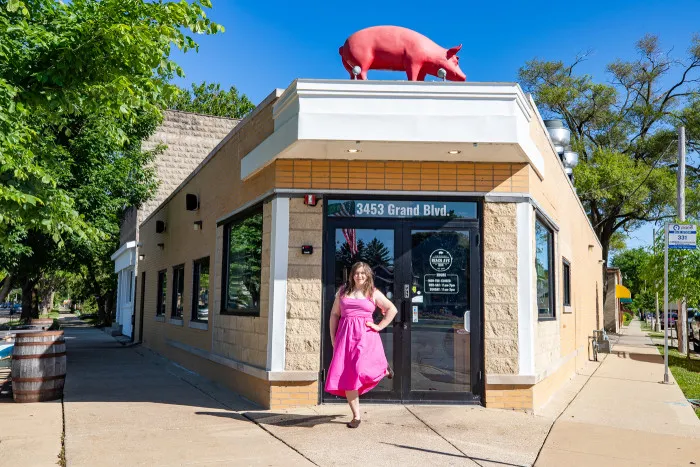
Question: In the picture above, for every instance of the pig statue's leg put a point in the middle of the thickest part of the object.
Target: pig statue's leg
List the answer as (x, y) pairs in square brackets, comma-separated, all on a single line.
[(413, 72), (349, 69)]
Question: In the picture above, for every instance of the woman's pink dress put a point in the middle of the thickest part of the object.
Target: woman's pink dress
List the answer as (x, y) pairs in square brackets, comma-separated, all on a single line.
[(358, 360)]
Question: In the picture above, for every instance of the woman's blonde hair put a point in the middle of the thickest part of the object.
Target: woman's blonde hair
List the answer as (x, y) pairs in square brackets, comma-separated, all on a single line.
[(368, 287)]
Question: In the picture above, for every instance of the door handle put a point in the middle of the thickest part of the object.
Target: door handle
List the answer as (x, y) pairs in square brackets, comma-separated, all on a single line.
[(467, 321)]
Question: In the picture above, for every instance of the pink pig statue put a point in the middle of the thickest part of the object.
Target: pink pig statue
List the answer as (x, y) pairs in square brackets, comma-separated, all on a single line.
[(399, 49)]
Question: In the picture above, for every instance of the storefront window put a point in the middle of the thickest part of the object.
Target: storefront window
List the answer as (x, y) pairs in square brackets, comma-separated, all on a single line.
[(162, 290), (200, 288), (243, 265), (545, 270), (178, 289)]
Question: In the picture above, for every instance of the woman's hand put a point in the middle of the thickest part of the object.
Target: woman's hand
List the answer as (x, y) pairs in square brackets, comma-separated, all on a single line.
[(372, 326)]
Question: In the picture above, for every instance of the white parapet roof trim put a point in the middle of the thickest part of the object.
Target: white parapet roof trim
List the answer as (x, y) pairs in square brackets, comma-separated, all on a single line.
[(397, 112), (122, 249)]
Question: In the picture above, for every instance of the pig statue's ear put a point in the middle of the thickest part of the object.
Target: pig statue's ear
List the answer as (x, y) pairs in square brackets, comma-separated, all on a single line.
[(453, 51)]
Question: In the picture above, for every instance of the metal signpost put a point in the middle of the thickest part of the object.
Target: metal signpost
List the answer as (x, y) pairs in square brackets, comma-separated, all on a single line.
[(677, 237)]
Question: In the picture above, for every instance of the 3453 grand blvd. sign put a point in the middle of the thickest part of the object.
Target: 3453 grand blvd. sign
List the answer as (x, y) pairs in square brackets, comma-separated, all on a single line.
[(402, 209)]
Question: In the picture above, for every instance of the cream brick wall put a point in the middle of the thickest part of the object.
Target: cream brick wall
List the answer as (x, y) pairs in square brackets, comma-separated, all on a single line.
[(220, 191), (576, 242), (500, 288), (303, 340)]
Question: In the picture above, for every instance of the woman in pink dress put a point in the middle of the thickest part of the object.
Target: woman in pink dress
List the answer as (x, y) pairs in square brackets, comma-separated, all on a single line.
[(358, 362)]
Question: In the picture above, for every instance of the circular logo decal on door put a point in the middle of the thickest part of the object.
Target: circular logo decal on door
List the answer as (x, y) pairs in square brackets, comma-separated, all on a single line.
[(440, 260)]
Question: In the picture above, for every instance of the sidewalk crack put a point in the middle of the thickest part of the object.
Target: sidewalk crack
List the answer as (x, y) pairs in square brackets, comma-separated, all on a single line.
[(473, 459)]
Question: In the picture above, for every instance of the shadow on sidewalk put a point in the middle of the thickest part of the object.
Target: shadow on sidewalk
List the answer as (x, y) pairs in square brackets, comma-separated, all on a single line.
[(290, 420), (640, 357), (100, 369)]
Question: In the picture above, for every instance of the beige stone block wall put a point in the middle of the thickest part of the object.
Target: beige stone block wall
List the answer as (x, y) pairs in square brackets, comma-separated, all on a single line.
[(500, 288), (304, 310), (187, 138)]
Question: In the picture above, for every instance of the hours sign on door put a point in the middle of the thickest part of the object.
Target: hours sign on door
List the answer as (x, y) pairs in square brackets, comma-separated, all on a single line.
[(682, 237)]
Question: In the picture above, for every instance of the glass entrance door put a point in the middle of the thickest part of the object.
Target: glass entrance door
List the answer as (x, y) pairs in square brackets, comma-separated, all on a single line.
[(377, 247), (441, 322), (430, 270)]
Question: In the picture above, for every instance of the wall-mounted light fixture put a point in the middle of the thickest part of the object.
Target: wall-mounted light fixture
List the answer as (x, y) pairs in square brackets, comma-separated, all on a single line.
[(191, 202), (161, 246), (160, 226), (197, 225), (454, 151), (141, 257)]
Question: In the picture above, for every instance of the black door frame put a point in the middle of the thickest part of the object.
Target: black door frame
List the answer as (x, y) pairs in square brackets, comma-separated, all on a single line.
[(402, 264)]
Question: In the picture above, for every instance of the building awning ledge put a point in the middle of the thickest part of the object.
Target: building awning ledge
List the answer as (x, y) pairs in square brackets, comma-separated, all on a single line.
[(399, 120)]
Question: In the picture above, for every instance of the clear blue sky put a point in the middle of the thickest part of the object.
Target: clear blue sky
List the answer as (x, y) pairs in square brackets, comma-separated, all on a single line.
[(268, 44)]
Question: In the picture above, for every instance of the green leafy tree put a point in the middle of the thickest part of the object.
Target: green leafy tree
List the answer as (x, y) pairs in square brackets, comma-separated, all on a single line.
[(81, 84), (624, 131), (632, 264), (210, 99)]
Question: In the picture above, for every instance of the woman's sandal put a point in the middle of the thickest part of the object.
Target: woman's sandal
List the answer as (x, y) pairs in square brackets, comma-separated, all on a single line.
[(389, 372), (354, 423)]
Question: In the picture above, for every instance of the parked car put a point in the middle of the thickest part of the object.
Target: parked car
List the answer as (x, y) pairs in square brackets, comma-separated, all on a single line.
[(672, 317), (694, 329)]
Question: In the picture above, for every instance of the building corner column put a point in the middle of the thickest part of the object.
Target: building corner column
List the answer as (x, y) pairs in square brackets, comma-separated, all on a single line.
[(279, 260), (526, 318)]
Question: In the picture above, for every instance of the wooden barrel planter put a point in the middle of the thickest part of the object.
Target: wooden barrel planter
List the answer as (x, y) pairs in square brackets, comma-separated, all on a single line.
[(38, 366), (41, 323)]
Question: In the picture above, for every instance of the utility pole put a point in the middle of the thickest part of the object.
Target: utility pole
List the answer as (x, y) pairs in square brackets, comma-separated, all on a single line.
[(682, 309)]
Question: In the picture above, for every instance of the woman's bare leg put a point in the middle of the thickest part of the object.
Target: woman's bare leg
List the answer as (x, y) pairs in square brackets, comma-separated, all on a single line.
[(354, 401)]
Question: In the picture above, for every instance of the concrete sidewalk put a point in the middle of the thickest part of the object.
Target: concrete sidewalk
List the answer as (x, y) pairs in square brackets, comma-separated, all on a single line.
[(625, 416), (128, 406)]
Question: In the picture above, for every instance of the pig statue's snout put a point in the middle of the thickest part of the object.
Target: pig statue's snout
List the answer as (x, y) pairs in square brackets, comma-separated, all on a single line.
[(454, 72)]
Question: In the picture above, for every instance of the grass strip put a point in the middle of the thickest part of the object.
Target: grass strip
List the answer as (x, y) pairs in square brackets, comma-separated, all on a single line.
[(686, 372)]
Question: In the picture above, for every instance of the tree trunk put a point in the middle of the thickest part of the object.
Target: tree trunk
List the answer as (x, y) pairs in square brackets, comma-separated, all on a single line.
[(657, 324), (101, 310), (109, 306), (6, 287), (46, 296), (28, 308)]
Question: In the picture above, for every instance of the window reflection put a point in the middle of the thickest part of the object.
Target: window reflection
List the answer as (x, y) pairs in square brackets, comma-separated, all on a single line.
[(200, 300), (162, 291), (544, 267), (244, 265), (178, 289)]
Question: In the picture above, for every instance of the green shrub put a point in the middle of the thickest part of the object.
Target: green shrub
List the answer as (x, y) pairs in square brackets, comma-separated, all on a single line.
[(626, 318)]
